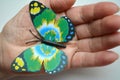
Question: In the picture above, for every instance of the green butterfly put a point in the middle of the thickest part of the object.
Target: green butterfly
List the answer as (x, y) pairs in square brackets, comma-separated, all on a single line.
[(52, 33)]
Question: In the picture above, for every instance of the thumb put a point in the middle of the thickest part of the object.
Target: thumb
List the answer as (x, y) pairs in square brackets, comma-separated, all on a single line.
[(58, 5)]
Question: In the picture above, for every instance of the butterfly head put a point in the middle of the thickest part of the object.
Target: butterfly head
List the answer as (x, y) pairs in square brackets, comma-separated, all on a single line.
[(36, 7)]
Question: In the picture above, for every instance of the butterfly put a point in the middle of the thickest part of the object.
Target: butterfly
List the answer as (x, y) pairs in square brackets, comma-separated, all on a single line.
[(53, 33)]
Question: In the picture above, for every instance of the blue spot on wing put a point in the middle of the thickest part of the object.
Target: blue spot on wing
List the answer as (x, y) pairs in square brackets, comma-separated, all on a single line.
[(69, 37), (71, 33)]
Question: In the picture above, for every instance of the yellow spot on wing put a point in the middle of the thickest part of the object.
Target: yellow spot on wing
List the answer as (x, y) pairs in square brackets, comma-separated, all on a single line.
[(19, 61), (13, 64), (42, 6), (35, 10), (32, 5), (16, 67), (23, 69), (36, 4)]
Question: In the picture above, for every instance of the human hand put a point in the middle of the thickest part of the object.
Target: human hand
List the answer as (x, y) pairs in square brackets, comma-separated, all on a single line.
[(96, 32)]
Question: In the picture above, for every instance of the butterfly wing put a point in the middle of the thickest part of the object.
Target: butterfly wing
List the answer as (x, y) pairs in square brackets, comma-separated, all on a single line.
[(31, 59), (44, 21), (55, 60), (28, 61)]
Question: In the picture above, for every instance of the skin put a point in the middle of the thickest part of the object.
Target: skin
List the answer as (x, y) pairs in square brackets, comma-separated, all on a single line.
[(96, 32)]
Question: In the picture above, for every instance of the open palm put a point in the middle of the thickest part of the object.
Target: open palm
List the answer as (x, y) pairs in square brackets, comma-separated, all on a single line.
[(96, 32)]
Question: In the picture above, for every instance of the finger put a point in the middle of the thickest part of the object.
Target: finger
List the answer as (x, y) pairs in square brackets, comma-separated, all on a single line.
[(88, 13), (84, 59), (58, 5), (99, 27), (99, 43)]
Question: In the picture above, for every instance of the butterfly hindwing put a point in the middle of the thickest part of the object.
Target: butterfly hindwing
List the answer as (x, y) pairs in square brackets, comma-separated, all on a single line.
[(31, 60), (44, 20)]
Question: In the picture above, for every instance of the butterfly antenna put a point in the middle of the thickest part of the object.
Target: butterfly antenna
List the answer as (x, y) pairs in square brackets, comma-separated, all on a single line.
[(34, 35), (31, 41), (38, 39)]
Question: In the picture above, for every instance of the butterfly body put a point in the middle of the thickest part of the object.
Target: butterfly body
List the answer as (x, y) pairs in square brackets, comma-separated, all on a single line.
[(53, 32)]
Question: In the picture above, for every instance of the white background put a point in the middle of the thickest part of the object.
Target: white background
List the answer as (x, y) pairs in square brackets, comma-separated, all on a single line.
[(8, 9)]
